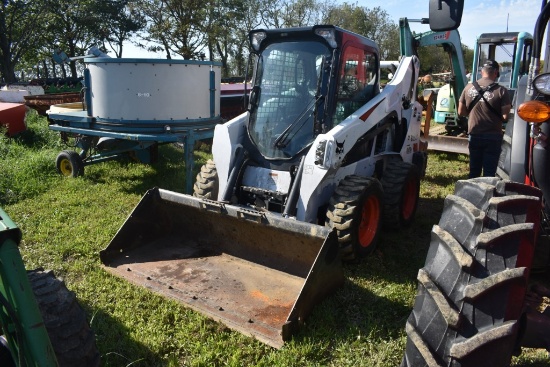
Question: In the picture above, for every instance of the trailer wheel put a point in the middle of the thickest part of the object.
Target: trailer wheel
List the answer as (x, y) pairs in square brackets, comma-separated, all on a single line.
[(472, 286), (401, 184), (355, 211), (207, 184), (70, 335), (69, 164)]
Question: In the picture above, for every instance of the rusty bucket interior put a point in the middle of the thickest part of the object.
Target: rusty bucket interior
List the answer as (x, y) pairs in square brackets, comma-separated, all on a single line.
[(256, 272)]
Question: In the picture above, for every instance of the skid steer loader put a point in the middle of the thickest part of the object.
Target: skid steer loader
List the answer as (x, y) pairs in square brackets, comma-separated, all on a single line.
[(306, 177)]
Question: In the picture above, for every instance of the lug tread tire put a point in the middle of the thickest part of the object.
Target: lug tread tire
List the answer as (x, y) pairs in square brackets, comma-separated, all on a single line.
[(70, 334), (207, 183), (472, 286), (344, 214), (397, 177)]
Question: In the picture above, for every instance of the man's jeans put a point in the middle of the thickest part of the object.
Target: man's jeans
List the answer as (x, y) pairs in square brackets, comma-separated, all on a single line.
[(484, 154)]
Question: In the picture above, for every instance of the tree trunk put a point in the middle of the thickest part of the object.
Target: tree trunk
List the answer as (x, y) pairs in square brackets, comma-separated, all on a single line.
[(54, 69), (8, 70), (46, 72)]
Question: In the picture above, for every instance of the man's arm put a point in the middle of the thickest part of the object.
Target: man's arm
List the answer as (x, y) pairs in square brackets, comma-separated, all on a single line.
[(462, 110), (506, 103), (505, 112)]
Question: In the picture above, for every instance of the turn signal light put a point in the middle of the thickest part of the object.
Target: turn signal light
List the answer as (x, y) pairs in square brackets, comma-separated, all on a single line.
[(534, 111)]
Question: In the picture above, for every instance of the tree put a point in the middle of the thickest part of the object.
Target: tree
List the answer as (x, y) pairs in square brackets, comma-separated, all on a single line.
[(74, 26), (374, 24), (122, 19), (157, 20), (239, 51), (21, 29), (433, 60), (468, 54), (289, 13), (220, 28), (175, 27)]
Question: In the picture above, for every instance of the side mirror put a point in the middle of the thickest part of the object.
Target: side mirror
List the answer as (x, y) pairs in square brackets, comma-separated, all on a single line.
[(445, 15)]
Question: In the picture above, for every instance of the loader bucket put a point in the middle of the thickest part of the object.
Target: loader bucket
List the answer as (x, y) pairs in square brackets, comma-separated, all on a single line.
[(256, 272)]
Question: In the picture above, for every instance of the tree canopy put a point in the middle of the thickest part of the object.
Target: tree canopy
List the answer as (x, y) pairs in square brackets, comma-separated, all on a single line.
[(30, 30)]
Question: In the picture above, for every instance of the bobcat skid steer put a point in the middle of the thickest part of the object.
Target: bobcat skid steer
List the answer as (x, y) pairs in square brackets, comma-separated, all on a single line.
[(306, 176)]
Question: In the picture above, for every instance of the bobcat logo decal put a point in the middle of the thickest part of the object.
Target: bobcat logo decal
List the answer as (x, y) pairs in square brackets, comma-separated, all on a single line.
[(340, 147)]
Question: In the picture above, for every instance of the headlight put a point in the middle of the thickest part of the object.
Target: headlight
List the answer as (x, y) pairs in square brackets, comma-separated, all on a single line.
[(323, 153), (534, 111), (542, 83), (320, 152)]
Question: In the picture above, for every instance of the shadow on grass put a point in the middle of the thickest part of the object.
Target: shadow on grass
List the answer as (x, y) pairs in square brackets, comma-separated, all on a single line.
[(447, 173), (377, 296), (116, 346), (168, 172), (37, 135)]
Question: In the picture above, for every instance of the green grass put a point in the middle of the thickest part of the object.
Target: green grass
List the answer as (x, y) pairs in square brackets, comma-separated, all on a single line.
[(66, 222)]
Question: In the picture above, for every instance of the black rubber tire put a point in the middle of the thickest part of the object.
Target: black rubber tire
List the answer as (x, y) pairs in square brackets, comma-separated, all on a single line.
[(5, 355), (69, 164), (401, 184), (70, 334), (472, 286), (207, 183), (355, 210)]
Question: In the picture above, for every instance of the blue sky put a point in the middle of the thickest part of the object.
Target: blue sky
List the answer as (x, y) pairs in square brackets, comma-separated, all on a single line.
[(483, 16)]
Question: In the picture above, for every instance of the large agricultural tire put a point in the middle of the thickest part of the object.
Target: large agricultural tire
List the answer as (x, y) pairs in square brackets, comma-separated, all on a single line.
[(355, 211), (401, 184), (69, 164), (472, 286), (5, 355), (70, 334), (207, 182)]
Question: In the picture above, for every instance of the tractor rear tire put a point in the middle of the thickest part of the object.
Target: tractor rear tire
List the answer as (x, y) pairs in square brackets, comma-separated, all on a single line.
[(70, 334), (401, 184), (472, 286), (355, 211), (207, 182), (5, 355), (69, 164)]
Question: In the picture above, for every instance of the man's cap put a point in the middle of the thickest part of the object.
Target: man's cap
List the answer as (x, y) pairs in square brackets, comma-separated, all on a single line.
[(491, 64)]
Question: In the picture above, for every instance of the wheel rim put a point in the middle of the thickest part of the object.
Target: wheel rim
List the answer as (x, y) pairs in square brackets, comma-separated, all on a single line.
[(65, 167), (370, 217), (409, 199)]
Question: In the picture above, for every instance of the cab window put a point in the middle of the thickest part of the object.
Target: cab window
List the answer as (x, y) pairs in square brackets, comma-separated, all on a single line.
[(357, 83)]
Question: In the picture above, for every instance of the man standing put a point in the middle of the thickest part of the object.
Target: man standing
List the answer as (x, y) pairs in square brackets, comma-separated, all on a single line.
[(487, 105)]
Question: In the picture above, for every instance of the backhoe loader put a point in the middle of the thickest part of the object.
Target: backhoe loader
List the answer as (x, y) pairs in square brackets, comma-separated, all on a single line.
[(321, 160)]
